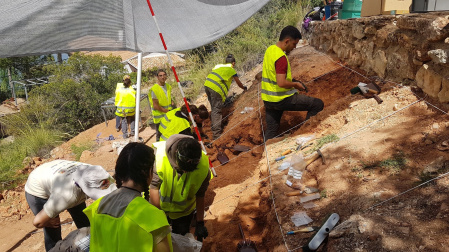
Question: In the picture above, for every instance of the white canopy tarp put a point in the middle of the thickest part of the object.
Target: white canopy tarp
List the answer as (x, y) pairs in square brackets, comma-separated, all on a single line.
[(36, 27)]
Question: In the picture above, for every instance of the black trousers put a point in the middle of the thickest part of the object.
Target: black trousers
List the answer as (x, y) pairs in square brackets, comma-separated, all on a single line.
[(181, 225), (296, 102)]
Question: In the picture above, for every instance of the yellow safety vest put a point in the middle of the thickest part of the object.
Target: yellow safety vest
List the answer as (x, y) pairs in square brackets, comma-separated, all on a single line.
[(177, 194), (220, 79), (119, 85), (271, 92), (125, 101), (129, 232), (164, 101), (171, 124)]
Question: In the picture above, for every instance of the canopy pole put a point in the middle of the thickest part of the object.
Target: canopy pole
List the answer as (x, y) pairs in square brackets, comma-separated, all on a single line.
[(211, 167), (137, 115)]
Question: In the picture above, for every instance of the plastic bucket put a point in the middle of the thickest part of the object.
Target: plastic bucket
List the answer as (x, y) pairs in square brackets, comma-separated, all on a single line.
[(351, 9)]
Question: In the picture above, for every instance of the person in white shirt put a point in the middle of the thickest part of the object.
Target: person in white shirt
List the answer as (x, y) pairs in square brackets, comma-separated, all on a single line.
[(64, 185)]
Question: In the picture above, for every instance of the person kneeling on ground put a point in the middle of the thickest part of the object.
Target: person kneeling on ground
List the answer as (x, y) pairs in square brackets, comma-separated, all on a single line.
[(180, 182), (279, 91), (59, 185), (177, 121), (124, 220)]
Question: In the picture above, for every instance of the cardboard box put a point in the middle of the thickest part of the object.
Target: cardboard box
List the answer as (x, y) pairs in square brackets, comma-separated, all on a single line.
[(384, 7)]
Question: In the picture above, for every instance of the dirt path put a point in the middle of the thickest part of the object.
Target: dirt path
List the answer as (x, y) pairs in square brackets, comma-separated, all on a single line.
[(383, 149)]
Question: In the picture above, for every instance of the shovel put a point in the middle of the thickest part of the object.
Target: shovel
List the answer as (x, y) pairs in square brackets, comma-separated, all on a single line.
[(246, 245)]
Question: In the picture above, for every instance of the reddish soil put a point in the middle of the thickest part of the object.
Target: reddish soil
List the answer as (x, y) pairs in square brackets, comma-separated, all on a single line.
[(359, 170)]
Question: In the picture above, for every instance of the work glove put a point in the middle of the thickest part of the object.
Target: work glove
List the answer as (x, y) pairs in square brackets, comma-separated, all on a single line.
[(200, 231)]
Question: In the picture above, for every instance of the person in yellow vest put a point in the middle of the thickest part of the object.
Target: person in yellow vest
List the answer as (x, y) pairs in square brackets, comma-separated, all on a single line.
[(177, 121), (217, 86), (125, 102), (161, 100), (180, 182), (279, 90), (124, 220)]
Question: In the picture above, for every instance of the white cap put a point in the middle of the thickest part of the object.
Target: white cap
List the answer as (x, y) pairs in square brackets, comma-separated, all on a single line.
[(95, 181)]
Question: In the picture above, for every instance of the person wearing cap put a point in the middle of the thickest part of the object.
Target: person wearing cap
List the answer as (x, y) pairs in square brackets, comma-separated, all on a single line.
[(124, 220), (161, 99), (279, 90), (64, 185), (125, 102), (177, 121), (180, 182), (217, 86)]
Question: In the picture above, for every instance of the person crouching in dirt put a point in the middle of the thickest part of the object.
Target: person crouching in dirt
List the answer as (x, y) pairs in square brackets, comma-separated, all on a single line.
[(64, 185), (279, 90), (180, 182), (217, 86), (125, 101), (177, 121), (123, 220)]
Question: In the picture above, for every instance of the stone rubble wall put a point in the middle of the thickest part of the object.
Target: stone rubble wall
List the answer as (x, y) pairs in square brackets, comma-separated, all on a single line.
[(401, 48)]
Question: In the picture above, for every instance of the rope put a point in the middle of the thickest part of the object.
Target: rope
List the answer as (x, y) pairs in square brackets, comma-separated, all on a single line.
[(211, 167), (248, 100), (269, 172), (411, 189)]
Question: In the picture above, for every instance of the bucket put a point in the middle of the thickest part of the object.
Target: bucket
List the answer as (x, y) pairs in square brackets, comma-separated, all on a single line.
[(351, 9)]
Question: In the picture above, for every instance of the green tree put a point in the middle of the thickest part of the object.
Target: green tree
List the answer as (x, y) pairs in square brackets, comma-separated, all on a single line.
[(77, 88)]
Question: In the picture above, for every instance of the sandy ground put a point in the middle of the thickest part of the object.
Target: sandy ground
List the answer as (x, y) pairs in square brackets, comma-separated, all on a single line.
[(358, 173)]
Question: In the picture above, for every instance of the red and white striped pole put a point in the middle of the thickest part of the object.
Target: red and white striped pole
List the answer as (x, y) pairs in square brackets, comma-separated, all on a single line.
[(211, 167)]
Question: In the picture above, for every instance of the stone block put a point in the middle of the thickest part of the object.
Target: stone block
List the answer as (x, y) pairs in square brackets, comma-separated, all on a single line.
[(443, 95), (429, 81), (439, 56), (380, 63)]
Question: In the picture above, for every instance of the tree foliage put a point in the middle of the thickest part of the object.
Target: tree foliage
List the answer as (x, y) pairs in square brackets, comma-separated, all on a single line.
[(78, 87)]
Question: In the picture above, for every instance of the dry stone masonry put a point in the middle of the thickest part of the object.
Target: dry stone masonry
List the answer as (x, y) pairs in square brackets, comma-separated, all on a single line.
[(401, 48)]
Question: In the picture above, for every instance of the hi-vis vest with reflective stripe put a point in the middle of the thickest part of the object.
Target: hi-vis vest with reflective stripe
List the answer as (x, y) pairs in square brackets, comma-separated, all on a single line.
[(171, 124), (177, 194), (125, 101), (164, 101), (129, 232), (119, 85), (271, 92), (220, 79)]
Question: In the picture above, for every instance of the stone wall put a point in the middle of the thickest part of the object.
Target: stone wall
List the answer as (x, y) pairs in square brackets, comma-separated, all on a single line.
[(403, 47)]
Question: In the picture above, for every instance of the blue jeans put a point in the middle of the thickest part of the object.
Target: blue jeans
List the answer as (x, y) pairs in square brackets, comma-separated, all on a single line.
[(125, 121), (53, 235)]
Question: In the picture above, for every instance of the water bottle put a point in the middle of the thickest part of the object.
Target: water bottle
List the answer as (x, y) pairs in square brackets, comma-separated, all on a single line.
[(295, 172)]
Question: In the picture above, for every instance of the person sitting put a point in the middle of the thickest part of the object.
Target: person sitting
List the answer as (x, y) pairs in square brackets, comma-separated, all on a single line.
[(124, 220), (177, 121), (59, 185)]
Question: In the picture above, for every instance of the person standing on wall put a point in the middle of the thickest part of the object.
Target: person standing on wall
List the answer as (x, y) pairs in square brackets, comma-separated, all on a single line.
[(177, 121), (217, 86), (125, 101), (161, 100), (62, 185), (279, 90), (180, 182), (124, 220)]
